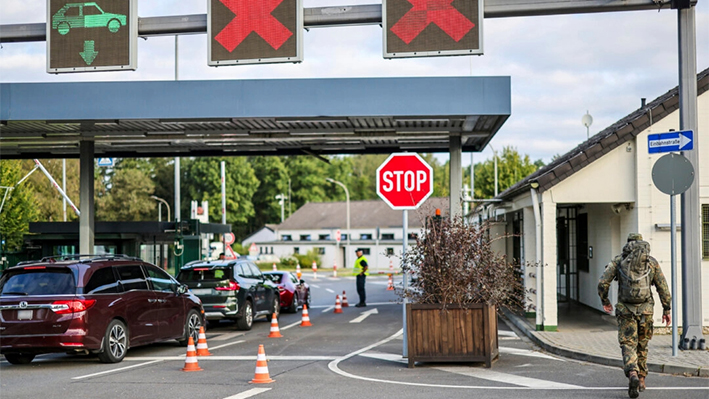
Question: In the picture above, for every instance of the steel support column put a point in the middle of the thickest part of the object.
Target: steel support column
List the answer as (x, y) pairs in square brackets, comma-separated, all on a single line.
[(456, 175), (86, 197)]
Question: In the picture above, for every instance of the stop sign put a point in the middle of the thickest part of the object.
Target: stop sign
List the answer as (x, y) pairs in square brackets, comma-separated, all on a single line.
[(404, 181)]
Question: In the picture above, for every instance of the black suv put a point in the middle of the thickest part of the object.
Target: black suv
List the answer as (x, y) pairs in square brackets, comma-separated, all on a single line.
[(232, 289), (101, 304)]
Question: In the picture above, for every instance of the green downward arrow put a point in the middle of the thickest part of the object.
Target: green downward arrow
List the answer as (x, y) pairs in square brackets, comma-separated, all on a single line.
[(89, 55)]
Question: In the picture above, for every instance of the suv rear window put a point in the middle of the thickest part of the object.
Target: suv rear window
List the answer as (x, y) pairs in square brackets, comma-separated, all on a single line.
[(205, 273), (38, 282)]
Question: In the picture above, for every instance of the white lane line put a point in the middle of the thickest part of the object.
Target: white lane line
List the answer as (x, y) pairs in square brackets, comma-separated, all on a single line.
[(224, 337), (327, 309), (364, 315), (229, 344), (390, 357), (315, 286), (249, 393), (527, 352), (115, 370), (506, 333), (250, 358), (297, 323), (329, 290), (512, 379)]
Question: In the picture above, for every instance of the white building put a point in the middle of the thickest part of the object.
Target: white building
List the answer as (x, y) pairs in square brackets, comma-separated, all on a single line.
[(374, 227), (591, 198)]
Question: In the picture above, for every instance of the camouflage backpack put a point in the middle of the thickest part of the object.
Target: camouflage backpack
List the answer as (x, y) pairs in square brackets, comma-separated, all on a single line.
[(634, 278)]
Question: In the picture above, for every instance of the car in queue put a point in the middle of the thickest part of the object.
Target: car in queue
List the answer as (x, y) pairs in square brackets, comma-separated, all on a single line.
[(294, 293), (96, 304), (232, 290)]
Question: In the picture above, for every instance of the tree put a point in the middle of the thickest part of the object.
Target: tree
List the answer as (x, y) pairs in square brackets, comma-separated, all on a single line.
[(19, 208), (50, 204), (511, 168), (127, 197), (273, 180)]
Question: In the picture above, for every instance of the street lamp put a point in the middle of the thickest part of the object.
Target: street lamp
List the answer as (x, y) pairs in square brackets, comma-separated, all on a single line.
[(282, 201), (347, 195), (587, 120), (160, 202)]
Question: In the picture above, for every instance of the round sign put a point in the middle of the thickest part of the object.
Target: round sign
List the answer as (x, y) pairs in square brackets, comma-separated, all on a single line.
[(673, 174), (338, 236), (229, 238), (404, 181)]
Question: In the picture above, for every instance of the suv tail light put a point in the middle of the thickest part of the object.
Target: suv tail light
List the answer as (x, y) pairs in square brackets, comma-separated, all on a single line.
[(233, 286), (72, 306)]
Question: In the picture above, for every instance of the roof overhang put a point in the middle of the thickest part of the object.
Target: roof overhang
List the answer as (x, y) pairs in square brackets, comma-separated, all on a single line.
[(251, 117)]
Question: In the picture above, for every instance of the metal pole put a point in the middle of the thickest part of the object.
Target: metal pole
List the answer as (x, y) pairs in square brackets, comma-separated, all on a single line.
[(349, 233), (64, 186), (223, 166), (54, 183), (159, 211), (673, 262), (494, 154), (691, 207), (472, 176), (177, 52), (405, 276), (456, 176)]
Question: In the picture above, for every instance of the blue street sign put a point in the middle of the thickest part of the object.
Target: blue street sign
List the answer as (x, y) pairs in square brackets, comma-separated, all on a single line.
[(672, 141), (105, 162)]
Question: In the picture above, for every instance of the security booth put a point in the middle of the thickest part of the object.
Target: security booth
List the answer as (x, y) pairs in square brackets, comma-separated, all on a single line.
[(160, 243)]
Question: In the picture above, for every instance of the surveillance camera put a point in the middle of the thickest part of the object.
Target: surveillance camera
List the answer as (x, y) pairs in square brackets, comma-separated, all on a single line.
[(617, 208)]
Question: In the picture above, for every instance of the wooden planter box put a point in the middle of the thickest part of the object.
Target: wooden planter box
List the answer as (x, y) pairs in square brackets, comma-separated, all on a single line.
[(461, 333)]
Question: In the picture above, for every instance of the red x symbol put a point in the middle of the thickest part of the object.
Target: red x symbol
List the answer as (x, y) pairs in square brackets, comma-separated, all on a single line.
[(253, 16), (425, 12)]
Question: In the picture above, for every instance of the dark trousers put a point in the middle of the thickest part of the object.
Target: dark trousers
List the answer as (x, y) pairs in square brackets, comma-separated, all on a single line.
[(361, 279)]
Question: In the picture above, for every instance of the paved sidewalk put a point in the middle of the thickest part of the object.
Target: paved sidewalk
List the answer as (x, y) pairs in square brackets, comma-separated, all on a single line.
[(591, 336)]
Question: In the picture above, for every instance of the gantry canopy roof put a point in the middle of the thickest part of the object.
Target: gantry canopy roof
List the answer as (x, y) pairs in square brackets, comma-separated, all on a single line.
[(251, 117)]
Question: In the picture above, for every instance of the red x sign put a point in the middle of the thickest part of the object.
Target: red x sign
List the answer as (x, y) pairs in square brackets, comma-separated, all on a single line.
[(253, 16), (426, 12)]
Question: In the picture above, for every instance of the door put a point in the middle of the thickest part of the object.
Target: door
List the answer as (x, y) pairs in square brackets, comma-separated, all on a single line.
[(567, 252), (140, 303), (262, 301), (171, 313)]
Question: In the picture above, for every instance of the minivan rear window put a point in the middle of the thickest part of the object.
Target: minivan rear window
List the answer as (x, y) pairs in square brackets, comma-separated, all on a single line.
[(38, 282), (206, 273)]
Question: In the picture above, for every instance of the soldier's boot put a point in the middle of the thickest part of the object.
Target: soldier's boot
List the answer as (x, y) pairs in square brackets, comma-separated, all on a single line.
[(641, 388), (633, 384)]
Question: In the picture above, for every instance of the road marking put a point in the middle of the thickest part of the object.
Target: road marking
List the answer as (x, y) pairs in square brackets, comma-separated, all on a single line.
[(391, 357), (513, 379), (315, 286), (249, 393), (229, 344), (116, 370), (297, 323), (506, 333), (328, 309), (329, 290), (231, 358), (527, 352), (364, 315), (225, 336)]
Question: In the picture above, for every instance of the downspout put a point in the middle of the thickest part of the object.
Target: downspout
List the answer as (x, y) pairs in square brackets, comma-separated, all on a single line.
[(540, 269)]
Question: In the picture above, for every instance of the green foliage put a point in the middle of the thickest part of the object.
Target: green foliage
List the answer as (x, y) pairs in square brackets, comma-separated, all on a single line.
[(289, 262), (306, 260), (239, 249), (511, 168), (273, 180), (48, 200), (19, 209), (126, 196)]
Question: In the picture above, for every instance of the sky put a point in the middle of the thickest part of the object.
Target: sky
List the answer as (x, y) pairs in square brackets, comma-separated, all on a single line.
[(560, 66)]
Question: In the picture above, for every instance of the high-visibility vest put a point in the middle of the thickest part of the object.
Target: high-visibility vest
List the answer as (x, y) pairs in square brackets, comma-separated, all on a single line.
[(358, 266)]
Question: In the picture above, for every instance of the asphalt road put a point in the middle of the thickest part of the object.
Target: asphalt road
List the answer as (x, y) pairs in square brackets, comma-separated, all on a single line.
[(336, 358)]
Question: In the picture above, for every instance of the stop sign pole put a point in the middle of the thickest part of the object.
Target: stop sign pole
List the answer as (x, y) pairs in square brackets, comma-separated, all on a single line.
[(404, 181)]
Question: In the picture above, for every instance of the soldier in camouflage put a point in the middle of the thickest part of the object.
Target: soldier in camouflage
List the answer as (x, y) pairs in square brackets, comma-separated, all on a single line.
[(635, 321)]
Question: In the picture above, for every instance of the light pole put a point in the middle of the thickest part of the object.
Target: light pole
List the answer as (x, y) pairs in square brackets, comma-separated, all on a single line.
[(160, 202), (282, 201), (494, 157), (347, 195)]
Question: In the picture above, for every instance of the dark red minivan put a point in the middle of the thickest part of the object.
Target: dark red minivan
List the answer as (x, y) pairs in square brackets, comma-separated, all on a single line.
[(101, 304)]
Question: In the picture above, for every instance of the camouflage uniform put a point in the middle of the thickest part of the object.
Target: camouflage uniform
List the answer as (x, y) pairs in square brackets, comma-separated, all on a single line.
[(635, 320)]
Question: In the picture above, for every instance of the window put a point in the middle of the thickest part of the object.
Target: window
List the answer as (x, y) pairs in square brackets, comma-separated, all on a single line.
[(324, 237), (413, 236), (296, 250), (387, 236), (365, 236), (286, 237), (305, 237), (38, 282), (365, 251), (320, 250), (103, 281), (92, 10), (243, 271), (705, 231), (343, 237), (390, 251), (132, 278), (255, 271), (160, 280)]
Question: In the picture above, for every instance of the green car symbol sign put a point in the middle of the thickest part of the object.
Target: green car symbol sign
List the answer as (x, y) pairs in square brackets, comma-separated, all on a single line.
[(86, 15)]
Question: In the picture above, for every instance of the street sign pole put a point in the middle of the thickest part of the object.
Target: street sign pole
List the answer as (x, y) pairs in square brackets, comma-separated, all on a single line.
[(673, 272), (405, 276)]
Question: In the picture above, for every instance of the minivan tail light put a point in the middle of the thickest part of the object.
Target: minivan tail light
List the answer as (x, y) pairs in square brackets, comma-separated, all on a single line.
[(34, 267), (72, 306), (233, 286)]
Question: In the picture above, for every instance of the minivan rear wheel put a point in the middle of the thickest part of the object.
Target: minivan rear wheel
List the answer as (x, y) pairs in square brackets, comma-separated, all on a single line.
[(247, 317), (115, 343), (19, 358)]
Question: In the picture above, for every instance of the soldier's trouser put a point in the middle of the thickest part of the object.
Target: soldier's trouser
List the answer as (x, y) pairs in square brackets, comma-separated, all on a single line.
[(634, 333)]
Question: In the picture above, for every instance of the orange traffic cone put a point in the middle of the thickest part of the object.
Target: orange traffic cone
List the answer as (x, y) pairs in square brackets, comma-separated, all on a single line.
[(261, 376), (344, 300), (338, 307), (334, 270), (391, 266), (298, 273), (202, 349), (275, 269), (275, 332), (390, 284), (191, 359), (305, 321)]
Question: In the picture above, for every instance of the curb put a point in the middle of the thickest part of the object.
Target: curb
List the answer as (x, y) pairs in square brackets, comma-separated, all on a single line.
[(587, 357)]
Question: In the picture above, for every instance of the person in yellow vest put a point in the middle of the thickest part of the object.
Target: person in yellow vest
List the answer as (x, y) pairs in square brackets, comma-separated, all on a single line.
[(360, 270)]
